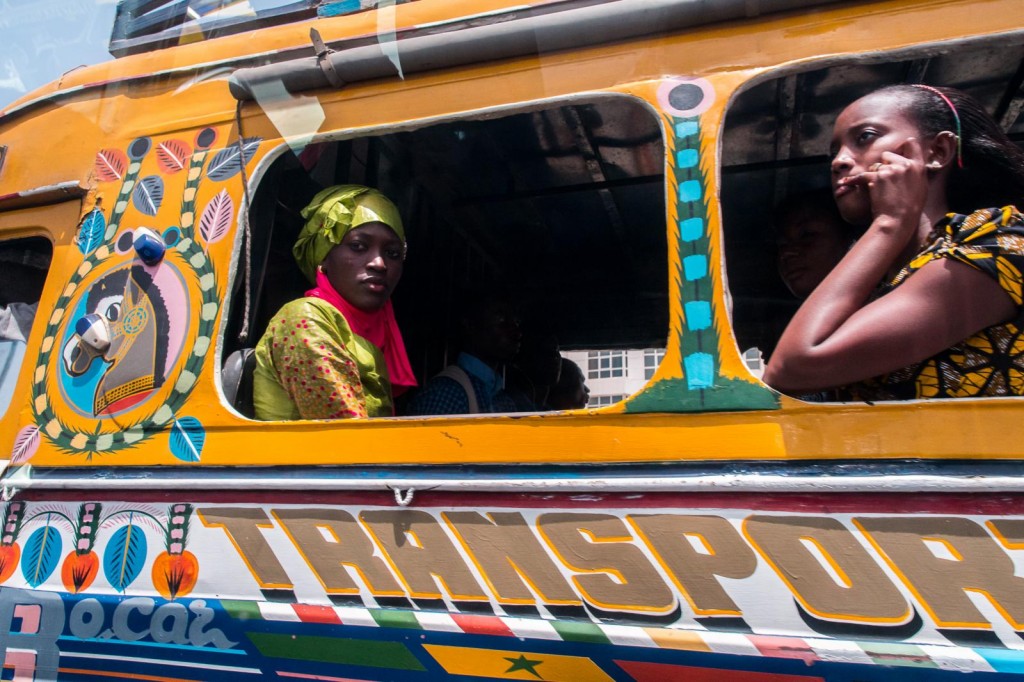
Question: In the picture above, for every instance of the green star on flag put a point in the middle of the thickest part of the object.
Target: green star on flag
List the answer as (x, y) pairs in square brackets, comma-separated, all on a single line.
[(523, 663)]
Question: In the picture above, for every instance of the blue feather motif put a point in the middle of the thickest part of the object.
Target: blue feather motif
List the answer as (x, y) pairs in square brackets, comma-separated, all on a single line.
[(187, 439), (148, 194), (90, 235), (124, 556), (225, 163), (42, 552)]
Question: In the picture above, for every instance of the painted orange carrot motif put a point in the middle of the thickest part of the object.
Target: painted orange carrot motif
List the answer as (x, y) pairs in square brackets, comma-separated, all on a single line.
[(81, 566), (10, 551), (176, 569)]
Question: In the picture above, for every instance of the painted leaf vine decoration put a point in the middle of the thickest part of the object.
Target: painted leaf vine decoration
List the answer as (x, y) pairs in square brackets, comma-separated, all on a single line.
[(42, 552), (148, 194), (124, 556), (216, 219), (187, 439), (111, 164), (172, 155), (90, 235), (227, 162), (25, 444)]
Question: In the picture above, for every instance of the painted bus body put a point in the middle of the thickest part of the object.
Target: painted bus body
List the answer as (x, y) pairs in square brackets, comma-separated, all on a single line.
[(705, 528)]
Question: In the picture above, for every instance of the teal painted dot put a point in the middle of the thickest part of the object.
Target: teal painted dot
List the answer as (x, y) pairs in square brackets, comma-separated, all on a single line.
[(687, 158), (686, 128), (698, 315), (690, 191), (695, 267), (700, 370), (691, 229)]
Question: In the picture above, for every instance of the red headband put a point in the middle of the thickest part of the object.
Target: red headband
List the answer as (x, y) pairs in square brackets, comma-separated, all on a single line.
[(956, 118)]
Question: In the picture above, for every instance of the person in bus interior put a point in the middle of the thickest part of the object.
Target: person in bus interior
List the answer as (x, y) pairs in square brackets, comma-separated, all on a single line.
[(927, 303), (338, 353), (570, 392), (534, 370), (490, 333), (812, 238)]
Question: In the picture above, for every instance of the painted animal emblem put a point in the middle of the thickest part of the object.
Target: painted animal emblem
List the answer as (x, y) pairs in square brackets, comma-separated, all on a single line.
[(134, 325), (126, 325)]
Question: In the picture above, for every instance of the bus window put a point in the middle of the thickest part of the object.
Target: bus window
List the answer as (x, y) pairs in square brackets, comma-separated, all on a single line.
[(561, 206), (776, 146), (23, 267)]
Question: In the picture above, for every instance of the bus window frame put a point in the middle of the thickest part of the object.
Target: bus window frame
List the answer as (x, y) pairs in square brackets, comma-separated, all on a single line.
[(819, 65), (235, 296)]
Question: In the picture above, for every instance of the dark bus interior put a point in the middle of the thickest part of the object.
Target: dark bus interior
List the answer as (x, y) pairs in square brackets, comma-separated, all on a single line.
[(24, 263), (562, 207)]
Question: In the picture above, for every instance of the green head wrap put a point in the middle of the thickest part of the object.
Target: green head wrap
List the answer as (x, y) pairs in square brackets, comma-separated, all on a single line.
[(335, 212)]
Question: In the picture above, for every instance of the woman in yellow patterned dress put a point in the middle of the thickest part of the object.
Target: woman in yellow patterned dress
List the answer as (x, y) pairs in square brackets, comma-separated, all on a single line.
[(928, 302), (337, 352)]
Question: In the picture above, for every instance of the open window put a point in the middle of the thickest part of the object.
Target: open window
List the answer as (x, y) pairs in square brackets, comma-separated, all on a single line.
[(562, 205), (24, 264), (776, 145)]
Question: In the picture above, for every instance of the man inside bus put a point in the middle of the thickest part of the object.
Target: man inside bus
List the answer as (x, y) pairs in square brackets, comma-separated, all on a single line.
[(570, 392), (534, 371), (490, 334), (812, 239)]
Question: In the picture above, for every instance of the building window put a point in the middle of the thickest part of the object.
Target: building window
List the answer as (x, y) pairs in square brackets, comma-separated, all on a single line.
[(605, 364), (652, 358), (754, 361), (604, 400)]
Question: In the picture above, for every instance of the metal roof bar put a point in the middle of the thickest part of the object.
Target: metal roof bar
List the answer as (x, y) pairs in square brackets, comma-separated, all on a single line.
[(530, 36)]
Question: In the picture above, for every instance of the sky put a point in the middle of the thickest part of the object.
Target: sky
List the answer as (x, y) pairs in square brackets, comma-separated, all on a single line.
[(42, 39)]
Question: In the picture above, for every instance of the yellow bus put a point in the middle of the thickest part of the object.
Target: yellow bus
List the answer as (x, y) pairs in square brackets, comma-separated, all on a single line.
[(614, 163)]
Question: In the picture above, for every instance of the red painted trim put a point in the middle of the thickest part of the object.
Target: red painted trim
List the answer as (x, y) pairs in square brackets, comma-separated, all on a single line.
[(784, 647), (310, 613), (481, 625)]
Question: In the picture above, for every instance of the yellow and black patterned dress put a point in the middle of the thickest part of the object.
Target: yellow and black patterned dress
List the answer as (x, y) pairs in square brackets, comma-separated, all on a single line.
[(989, 363)]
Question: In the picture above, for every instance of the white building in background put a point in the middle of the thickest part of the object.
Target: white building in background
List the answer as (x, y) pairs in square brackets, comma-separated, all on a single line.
[(613, 375)]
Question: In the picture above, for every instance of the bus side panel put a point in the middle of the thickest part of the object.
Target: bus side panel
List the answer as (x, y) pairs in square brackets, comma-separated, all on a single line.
[(588, 587)]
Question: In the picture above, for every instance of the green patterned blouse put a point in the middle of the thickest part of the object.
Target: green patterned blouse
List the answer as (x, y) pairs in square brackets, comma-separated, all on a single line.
[(311, 365)]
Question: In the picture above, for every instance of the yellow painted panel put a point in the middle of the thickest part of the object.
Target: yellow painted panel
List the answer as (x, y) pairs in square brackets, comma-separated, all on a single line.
[(677, 639)]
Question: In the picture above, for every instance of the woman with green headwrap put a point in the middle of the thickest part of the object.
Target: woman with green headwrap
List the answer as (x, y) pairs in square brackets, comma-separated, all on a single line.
[(336, 353)]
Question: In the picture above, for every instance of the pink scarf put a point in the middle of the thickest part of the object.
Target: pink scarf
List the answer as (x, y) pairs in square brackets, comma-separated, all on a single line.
[(379, 328)]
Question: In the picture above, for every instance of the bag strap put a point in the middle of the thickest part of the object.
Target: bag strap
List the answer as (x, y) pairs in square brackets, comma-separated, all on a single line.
[(459, 375)]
